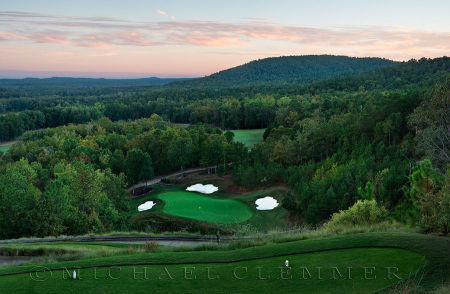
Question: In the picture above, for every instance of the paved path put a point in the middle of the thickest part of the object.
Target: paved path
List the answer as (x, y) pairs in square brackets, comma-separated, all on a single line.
[(124, 239), (173, 240), (158, 179)]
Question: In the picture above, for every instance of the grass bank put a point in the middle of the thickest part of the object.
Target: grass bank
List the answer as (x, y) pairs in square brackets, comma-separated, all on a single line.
[(429, 256)]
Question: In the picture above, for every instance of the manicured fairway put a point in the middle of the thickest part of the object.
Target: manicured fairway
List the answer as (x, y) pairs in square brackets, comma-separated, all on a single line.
[(367, 273), (251, 270), (249, 137), (5, 148), (204, 208)]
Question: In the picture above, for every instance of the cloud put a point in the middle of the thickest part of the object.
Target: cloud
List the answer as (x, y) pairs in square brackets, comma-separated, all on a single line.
[(260, 19), (159, 11), (30, 15), (61, 53), (104, 33), (50, 37), (11, 36), (104, 54), (199, 39), (22, 14)]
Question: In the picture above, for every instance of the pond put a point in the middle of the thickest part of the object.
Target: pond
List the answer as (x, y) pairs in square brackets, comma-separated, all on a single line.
[(13, 260)]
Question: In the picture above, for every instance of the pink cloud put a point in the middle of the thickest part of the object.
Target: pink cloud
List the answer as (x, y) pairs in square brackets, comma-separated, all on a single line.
[(159, 11), (9, 36), (201, 39), (62, 53), (104, 33)]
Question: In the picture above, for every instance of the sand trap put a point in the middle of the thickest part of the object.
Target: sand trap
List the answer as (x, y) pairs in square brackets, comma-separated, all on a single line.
[(266, 203), (205, 189), (146, 206)]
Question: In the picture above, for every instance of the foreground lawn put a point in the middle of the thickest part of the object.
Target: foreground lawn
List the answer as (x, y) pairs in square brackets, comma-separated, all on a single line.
[(256, 276), (248, 137), (371, 257)]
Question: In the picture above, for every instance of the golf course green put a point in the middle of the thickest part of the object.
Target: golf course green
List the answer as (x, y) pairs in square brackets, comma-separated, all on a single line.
[(249, 137), (204, 208), (5, 147)]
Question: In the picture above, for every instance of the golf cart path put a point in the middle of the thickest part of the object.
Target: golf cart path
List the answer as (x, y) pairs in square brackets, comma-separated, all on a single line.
[(158, 179), (171, 240)]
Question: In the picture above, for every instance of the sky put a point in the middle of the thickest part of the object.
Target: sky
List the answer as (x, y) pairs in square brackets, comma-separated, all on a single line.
[(176, 38)]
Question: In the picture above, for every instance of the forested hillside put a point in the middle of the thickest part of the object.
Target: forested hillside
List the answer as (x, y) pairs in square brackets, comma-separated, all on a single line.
[(359, 146), (287, 70), (72, 179), (381, 136), (248, 107)]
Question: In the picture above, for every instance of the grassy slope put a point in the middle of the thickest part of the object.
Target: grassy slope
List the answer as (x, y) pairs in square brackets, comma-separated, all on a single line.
[(435, 249), (407, 262), (62, 246), (263, 221), (249, 137)]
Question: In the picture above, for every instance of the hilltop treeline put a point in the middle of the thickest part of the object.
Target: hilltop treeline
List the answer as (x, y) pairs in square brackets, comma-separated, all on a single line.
[(287, 70)]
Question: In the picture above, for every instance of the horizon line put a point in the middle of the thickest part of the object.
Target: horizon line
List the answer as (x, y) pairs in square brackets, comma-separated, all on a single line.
[(48, 74)]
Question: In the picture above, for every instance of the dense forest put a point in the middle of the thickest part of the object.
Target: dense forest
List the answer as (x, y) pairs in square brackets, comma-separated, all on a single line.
[(228, 108), (381, 135), (359, 145), (72, 179)]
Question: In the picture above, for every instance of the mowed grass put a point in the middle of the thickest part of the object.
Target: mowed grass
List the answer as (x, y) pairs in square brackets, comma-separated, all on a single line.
[(370, 257), (5, 146), (249, 220), (255, 276), (263, 220), (248, 137), (51, 252), (204, 208)]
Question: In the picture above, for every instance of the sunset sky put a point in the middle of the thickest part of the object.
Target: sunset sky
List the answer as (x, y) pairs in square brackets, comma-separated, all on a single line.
[(138, 38)]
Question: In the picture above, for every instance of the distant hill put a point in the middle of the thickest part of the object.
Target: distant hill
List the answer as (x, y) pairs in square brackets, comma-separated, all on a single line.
[(299, 70), (72, 83), (424, 72)]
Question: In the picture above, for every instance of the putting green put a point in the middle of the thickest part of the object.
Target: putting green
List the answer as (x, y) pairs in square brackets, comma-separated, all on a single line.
[(249, 137), (5, 148), (204, 208)]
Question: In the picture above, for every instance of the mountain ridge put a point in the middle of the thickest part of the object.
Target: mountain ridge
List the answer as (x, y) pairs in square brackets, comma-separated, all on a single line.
[(283, 70), (75, 82)]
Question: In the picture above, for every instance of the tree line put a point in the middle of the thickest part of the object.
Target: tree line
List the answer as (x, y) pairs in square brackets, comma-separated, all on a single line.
[(229, 108)]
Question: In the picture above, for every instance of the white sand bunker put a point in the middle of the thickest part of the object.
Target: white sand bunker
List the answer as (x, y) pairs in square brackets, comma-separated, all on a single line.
[(146, 206), (205, 189), (266, 203)]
